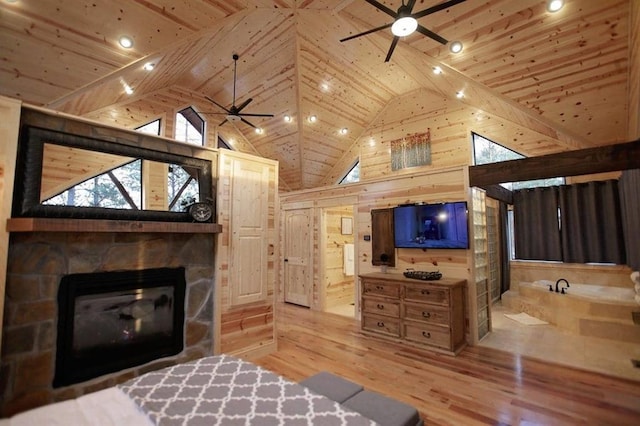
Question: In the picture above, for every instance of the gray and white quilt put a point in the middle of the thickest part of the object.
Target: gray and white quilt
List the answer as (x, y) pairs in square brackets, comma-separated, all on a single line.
[(224, 390)]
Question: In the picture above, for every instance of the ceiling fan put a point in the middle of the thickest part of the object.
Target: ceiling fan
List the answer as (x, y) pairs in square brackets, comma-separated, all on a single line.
[(405, 22), (234, 113)]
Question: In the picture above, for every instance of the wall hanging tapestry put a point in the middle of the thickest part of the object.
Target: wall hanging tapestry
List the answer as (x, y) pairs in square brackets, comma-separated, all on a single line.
[(411, 151)]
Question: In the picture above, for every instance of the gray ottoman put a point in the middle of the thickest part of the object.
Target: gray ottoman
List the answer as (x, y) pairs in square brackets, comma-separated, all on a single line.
[(383, 410), (333, 387)]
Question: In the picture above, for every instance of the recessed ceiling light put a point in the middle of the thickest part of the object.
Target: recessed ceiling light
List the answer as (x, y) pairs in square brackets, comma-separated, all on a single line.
[(313, 119), (128, 90), (325, 87), (455, 47), (460, 94), (437, 70), (344, 131), (287, 118), (555, 5), (259, 130), (126, 42), (149, 66)]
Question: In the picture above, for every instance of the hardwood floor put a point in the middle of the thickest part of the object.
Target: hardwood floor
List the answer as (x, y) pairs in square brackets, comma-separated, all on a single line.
[(479, 386)]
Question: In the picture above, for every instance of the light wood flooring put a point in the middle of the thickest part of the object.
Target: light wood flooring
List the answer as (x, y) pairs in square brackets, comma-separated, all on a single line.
[(480, 386)]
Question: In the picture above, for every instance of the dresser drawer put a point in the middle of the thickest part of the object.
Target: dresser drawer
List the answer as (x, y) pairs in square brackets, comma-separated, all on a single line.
[(381, 307), (428, 334), (380, 324), (381, 288), (427, 293), (427, 313)]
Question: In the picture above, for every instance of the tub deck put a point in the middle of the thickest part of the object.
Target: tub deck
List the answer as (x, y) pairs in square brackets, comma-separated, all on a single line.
[(586, 310)]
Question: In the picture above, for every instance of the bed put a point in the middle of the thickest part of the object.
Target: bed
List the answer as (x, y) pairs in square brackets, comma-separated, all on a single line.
[(216, 390)]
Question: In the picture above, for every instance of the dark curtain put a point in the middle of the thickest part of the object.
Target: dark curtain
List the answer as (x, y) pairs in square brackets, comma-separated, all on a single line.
[(535, 216), (503, 223), (629, 189), (591, 223)]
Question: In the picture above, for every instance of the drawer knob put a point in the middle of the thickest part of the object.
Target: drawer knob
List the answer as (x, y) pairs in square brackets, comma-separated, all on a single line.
[(379, 287), (380, 324), (380, 306), (427, 335), (426, 314), (425, 292)]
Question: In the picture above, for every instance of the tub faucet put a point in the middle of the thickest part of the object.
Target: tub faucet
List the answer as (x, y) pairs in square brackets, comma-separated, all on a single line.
[(557, 282)]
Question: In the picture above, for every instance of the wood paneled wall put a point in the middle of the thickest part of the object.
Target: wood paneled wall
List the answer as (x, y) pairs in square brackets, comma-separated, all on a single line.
[(9, 125), (634, 71), (427, 184)]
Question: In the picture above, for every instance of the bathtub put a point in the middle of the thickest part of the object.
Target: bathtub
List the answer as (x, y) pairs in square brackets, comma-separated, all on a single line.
[(585, 309)]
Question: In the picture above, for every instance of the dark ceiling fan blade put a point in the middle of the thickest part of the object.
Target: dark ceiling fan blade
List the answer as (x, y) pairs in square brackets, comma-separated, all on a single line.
[(217, 104), (225, 120), (392, 48), (244, 104), (246, 122), (255, 115), (383, 8), (436, 8), (367, 32), (431, 34)]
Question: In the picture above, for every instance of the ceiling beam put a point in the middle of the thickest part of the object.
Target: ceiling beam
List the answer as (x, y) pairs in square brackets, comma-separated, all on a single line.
[(608, 158), (499, 193)]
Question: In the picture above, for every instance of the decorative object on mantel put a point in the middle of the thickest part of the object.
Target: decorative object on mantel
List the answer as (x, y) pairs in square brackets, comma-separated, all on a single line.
[(411, 151)]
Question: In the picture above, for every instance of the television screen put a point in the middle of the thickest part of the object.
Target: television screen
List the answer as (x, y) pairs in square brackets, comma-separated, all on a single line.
[(441, 225)]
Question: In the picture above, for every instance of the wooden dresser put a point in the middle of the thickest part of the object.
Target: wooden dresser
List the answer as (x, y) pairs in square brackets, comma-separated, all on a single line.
[(423, 313)]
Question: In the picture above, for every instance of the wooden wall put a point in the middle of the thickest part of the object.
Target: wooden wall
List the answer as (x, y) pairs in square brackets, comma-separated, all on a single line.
[(634, 71), (9, 125)]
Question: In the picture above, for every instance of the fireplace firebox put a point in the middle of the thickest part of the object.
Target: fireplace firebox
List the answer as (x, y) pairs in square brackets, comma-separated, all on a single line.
[(110, 321)]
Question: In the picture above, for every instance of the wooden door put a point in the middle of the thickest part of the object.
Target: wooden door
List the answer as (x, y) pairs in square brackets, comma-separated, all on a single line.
[(249, 232), (298, 265)]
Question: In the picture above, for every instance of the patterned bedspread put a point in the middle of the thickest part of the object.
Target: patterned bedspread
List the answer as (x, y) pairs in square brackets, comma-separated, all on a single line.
[(223, 390)]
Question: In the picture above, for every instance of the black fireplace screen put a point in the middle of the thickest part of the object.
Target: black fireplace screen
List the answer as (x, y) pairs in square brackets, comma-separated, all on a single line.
[(109, 321)]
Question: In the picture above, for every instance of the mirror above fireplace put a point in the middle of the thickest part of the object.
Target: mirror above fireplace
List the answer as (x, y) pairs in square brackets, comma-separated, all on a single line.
[(63, 175)]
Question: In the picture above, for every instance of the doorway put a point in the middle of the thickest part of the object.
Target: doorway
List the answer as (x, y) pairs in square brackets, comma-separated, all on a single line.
[(338, 261)]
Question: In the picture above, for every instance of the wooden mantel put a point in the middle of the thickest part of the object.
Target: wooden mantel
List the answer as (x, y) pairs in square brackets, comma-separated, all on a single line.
[(98, 225)]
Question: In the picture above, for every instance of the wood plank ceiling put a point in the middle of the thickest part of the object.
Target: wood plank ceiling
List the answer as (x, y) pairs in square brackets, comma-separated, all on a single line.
[(563, 74)]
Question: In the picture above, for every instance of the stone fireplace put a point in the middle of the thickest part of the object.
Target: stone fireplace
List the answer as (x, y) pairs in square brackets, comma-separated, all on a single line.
[(39, 263)]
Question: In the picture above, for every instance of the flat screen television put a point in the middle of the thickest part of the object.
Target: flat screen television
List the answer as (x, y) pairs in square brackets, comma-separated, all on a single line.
[(443, 226)]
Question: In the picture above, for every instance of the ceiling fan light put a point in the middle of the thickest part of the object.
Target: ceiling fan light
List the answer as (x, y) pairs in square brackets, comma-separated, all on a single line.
[(404, 26), (455, 47), (555, 5)]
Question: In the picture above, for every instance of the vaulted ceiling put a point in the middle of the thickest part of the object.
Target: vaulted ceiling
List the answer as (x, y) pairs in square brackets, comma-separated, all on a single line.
[(566, 71)]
